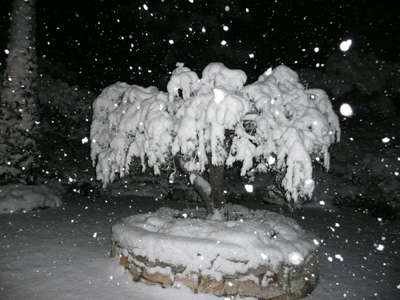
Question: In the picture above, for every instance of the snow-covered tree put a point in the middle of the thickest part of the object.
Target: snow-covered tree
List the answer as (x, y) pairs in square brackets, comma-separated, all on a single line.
[(203, 125), (18, 108)]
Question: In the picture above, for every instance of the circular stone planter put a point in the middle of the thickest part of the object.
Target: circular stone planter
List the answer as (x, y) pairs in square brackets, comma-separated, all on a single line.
[(253, 254)]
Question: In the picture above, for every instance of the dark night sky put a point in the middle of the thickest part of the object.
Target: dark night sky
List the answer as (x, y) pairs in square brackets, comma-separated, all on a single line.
[(108, 41)]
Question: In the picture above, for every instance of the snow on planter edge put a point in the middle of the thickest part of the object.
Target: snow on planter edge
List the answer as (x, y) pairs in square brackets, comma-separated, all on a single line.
[(219, 248)]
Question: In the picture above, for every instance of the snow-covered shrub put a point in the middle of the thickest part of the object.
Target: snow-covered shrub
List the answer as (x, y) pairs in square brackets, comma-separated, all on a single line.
[(23, 198), (66, 115), (66, 109), (203, 125), (65, 118)]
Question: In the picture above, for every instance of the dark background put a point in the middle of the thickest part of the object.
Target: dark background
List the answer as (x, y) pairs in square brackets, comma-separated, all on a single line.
[(107, 41)]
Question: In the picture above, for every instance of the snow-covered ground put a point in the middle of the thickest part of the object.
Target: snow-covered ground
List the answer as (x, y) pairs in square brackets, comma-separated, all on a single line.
[(64, 253)]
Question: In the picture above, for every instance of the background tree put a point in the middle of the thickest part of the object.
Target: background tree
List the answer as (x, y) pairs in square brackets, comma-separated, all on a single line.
[(19, 111), (201, 126)]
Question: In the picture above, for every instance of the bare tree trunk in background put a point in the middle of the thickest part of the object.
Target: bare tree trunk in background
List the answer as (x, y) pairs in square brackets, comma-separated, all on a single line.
[(19, 118)]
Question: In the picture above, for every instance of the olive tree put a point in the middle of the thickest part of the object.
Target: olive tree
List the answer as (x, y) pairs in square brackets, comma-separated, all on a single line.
[(204, 125)]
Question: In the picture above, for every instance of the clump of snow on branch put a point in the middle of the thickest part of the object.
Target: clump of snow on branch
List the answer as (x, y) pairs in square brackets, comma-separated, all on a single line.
[(215, 106), (218, 120), (129, 121), (290, 124)]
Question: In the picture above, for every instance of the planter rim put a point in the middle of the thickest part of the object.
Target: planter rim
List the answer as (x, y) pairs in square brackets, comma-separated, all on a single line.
[(252, 238)]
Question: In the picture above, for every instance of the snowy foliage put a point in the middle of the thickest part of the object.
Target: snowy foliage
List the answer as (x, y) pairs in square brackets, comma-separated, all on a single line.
[(273, 124), (64, 107), (18, 112), (66, 113)]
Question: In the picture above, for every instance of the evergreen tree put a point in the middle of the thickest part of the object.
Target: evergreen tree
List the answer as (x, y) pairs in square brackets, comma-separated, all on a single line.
[(18, 107)]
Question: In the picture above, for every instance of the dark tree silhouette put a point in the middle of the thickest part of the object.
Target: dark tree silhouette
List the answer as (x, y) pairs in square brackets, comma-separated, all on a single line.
[(19, 121)]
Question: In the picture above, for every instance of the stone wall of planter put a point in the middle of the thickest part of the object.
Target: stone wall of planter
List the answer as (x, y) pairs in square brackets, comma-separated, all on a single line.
[(264, 282)]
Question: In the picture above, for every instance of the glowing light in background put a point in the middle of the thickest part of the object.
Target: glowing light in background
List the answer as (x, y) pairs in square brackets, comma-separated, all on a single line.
[(339, 257), (248, 188), (271, 160), (346, 110), (345, 45)]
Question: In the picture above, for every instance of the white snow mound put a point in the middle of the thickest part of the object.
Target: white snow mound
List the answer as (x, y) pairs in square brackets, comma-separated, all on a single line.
[(251, 239), (22, 198)]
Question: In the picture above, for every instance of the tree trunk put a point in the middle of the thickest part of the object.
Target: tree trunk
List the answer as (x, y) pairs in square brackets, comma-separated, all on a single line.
[(18, 110), (199, 186), (216, 180), (212, 192)]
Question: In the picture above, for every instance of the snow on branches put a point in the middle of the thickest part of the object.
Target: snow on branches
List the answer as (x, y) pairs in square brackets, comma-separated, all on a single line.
[(273, 124)]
